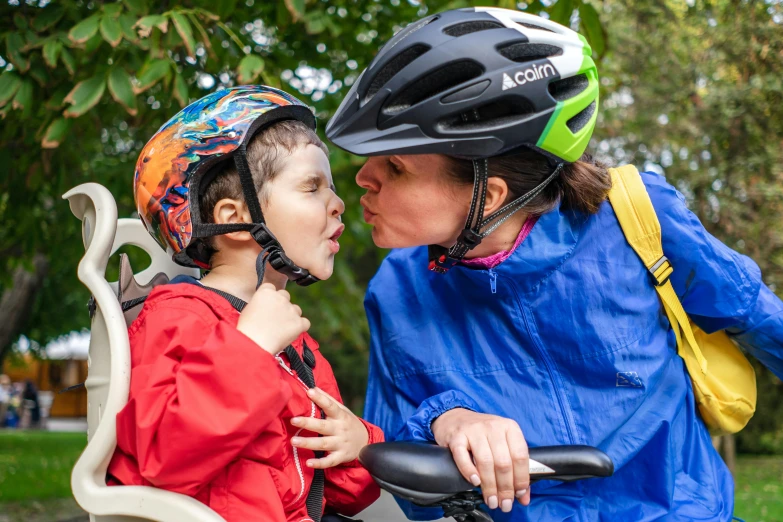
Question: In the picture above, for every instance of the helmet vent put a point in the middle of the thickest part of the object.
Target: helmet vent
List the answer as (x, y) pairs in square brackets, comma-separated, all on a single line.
[(533, 26), (580, 120), (434, 83), (567, 88), (522, 52), (394, 66), (400, 36), (472, 27), (505, 111)]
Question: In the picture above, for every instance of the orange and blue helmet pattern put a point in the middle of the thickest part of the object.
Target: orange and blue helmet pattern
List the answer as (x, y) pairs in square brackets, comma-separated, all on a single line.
[(204, 132)]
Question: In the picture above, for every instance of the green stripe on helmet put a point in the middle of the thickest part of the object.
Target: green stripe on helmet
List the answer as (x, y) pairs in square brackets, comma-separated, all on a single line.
[(557, 138)]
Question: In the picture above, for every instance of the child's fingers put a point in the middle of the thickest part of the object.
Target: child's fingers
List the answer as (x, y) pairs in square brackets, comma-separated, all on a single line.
[(322, 426), (330, 461), (331, 407), (316, 443)]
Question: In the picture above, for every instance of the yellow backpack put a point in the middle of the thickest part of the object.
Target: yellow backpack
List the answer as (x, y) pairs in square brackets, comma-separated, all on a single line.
[(724, 382)]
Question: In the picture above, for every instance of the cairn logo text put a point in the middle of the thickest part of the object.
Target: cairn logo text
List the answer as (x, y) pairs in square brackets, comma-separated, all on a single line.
[(531, 74)]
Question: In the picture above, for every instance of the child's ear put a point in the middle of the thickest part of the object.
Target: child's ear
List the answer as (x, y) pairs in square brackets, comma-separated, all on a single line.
[(232, 211)]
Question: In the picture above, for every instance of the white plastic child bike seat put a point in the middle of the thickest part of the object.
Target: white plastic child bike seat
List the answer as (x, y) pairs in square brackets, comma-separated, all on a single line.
[(108, 380)]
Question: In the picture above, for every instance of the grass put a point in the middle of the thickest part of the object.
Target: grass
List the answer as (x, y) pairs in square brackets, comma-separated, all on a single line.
[(35, 470), (37, 464), (759, 489)]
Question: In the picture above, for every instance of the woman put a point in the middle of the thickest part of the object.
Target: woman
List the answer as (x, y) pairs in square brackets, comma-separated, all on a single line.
[(537, 324)]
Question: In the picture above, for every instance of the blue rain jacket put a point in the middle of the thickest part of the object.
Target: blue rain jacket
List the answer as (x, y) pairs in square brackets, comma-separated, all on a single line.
[(568, 338)]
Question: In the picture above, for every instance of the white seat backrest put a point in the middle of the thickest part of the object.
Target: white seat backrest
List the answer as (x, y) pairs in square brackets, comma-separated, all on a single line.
[(108, 378)]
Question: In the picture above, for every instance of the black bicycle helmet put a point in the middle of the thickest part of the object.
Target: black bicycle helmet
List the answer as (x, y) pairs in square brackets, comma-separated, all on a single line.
[(474, 83)]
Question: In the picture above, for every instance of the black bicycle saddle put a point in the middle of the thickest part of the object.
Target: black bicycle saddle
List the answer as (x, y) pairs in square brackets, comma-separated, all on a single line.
[(426, 474)]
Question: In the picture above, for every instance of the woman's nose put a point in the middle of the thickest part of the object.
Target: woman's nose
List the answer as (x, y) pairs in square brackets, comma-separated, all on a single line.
[(368, 176)]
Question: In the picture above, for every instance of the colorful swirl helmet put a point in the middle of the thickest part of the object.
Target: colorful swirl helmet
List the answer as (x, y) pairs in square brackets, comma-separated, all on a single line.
[(181, 159)]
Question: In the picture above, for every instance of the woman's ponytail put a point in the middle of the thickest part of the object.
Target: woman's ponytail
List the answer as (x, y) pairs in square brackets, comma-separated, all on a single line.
[(581, 186)]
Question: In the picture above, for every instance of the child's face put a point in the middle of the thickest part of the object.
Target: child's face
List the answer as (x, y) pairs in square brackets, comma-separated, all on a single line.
[(303, 210)]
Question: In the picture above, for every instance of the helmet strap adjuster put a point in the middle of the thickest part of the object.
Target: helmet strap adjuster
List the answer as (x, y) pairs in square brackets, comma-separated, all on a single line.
[(442, 259)]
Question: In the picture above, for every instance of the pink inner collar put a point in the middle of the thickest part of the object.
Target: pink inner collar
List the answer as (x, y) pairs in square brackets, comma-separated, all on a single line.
[(495, 259)]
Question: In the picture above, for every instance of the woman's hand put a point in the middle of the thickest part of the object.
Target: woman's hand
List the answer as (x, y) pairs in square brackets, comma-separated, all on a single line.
[(344, 435), (499, 462)]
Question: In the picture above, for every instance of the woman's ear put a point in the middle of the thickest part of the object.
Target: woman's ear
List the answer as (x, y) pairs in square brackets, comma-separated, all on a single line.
[(497, 193), (228, 211)]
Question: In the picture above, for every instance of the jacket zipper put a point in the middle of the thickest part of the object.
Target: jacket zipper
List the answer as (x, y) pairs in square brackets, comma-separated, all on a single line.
[(550, 367), (297, 461), (493, 280)]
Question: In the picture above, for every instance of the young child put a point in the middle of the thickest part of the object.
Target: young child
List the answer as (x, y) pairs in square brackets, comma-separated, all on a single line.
[(221, 408)]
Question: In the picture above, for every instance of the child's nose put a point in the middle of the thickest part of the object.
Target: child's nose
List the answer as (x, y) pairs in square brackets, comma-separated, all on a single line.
[(337, 207)]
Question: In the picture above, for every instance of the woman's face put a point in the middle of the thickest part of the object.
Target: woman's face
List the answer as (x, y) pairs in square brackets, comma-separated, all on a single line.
[(411, 201)]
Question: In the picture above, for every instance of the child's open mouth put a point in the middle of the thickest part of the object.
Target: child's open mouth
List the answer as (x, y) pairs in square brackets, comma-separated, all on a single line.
[(334, 246)]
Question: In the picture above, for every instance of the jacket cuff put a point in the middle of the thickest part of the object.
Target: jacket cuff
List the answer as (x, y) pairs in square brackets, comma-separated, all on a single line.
[(374, 433), (419, 426)]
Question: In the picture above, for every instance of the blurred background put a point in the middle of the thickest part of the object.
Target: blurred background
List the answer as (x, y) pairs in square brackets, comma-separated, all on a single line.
[(691, 89)]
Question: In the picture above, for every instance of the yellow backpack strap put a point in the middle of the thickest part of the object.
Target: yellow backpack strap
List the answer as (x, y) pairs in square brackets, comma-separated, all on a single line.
[(642, 230)]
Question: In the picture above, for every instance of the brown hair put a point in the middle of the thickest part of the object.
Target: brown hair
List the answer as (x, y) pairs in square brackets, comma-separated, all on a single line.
[(266, 153), (582, 185)]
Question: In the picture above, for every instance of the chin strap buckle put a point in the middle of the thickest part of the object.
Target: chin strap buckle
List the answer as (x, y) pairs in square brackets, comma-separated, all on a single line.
[(277, 259), (442, 260)]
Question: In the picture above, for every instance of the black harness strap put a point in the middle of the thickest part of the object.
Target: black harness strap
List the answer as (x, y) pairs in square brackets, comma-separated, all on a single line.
[(304, 370)]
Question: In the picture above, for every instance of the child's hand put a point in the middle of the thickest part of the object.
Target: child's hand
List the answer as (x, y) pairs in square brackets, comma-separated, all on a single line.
[(271, 319), (344, 435)]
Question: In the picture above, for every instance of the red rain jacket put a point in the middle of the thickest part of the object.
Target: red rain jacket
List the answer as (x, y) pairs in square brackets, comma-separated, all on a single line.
[(209, 415)]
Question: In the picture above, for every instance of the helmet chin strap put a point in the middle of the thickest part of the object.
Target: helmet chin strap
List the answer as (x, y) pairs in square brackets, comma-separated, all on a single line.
[(271, 250), (476, 228)]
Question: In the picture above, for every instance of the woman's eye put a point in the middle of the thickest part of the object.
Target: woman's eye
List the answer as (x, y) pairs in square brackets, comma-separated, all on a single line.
[(395, 168)]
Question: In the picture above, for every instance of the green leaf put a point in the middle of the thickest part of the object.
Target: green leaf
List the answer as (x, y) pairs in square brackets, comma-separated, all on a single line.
[(181, 90), (9, 84), (296, 8), (591, 24), (39, 74), (121, 90), (24, 96), (49, 16), (561, 12), (13, 46), (51, 51), (55, 133), (250, 68), (55, 103), (84, 96), (315, 22), (203, 32), (151, 73), (20, 22), (126, 24), (84, 30), (111, 30), (146, 24), (112, 10), (138, 7), (33, 41), (68, 60), (185, 31)]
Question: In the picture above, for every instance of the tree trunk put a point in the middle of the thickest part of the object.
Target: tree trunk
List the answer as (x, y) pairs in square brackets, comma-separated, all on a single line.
[(17, 301), (726, 446)]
